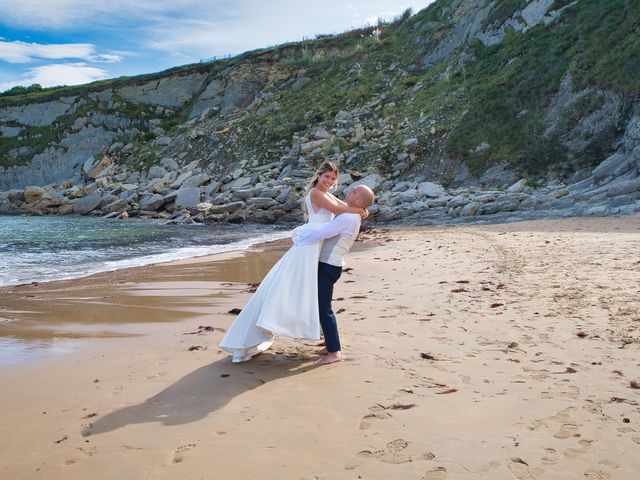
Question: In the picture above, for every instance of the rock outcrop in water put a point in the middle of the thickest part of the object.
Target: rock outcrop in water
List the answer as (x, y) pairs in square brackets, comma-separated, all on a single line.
[(468, 110)]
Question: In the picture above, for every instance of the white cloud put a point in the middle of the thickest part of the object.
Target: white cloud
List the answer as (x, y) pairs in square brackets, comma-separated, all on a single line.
[(72, 14), (22, 52), (106, 58), (59, 74), (257, 24)]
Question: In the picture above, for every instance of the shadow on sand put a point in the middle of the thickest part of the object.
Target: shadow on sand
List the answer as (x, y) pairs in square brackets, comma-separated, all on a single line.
[(202, 392)]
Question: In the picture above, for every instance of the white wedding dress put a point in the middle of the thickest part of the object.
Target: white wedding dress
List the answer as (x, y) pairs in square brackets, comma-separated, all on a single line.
[(285, 303)]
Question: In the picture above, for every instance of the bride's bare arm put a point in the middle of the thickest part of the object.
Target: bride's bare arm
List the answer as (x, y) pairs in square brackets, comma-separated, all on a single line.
[(333, 204)]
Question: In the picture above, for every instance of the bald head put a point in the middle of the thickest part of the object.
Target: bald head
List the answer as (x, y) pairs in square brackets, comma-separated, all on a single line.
[(360, 196)]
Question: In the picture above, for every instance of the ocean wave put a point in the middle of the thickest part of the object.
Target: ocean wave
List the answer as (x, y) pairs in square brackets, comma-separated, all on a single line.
[(48, 268)]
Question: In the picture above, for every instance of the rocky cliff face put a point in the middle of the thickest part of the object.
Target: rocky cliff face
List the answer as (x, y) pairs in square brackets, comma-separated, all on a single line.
[(441, 111)]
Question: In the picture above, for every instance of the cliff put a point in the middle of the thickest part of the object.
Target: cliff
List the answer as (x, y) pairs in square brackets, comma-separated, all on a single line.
[(441, 111)]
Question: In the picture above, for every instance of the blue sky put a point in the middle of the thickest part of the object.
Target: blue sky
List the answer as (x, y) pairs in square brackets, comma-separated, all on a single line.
[(69, 42)]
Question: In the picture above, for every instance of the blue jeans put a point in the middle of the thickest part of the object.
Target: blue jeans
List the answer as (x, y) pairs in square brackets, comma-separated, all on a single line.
[(328, 275)]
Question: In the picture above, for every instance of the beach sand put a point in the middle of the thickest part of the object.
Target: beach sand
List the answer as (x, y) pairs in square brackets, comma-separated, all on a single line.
[(484, 352)]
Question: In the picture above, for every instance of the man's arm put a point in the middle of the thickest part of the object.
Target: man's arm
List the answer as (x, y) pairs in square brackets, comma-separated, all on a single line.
[(344, 224)]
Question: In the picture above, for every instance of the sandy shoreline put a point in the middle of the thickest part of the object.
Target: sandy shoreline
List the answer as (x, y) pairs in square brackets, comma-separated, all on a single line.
[(501, 351)]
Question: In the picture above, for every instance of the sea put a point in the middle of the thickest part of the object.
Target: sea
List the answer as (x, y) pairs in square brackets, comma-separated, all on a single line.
[(46, 248)]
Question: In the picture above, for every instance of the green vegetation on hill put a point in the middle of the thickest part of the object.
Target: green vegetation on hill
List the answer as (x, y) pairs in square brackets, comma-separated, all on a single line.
[(484, 105)]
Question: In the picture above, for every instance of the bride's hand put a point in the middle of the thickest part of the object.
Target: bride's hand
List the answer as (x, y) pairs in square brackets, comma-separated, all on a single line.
[(364, 214)]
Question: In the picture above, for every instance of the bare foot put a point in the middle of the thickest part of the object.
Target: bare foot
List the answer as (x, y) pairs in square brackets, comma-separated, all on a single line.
[(323, 351), (330, 357)]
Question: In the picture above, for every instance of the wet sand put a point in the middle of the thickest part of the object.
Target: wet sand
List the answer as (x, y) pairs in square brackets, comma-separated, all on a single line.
[(504, 351)]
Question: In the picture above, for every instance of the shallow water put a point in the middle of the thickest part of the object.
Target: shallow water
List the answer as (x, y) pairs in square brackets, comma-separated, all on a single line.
[(38, 249)]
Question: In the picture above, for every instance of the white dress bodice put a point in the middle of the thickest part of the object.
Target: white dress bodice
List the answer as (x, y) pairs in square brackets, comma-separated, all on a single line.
[(321, 216)]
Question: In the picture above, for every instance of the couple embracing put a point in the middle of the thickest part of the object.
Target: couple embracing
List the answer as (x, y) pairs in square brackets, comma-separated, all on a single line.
[(294, 299)]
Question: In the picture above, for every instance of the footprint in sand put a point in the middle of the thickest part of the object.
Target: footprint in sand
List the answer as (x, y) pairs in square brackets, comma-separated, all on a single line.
[(89, 452), (596, 475), (359, 459), (581, 450), (178, 453), (519, 468), (377, 413), (567, 430), (567, 391), (393, 453), (439, 473), (550, 457), (636, 440)]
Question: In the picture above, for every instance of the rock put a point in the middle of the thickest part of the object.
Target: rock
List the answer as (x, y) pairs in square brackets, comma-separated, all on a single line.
[(187, 197), (321, 134), (286, 195), (128, 187), (162, 141), (373, 181), (407, 196), (204, 207), (624, 187), (598, 211), (104, 162), (37, 114), (471, 209), (226, 208), (127, 149), (170, 91), (5, 203), (116, 206), (617, 161), (152, 202), (88, 164), (15, 195), (247, 193), (170, 164), (181, 179), (517, 187), (499, 176), (560, 193), (239, 216), (237, 184), (33, 194), (300, 83), (431, 190), (196, 180), (156, 172), (262, 216), (410, 142), (213, 187), (84, 205), (311, 146), (344, 179), (261, 202)]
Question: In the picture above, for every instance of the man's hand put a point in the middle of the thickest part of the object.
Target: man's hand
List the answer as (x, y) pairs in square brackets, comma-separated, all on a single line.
[(364, 214)]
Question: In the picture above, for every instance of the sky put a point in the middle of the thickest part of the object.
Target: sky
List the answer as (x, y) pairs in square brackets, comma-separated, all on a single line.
[(71, 42)]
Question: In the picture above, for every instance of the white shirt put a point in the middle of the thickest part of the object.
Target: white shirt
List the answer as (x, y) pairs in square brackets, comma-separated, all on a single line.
[(345, 224), (339, 236)]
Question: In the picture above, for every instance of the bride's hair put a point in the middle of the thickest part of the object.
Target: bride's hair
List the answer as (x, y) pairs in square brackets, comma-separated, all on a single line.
[(326, 166)]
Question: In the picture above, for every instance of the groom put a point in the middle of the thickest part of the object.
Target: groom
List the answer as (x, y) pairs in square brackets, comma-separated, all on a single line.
[(338, 236)]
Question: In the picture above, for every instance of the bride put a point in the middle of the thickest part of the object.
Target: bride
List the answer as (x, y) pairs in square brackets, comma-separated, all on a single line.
[(286, 302)]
